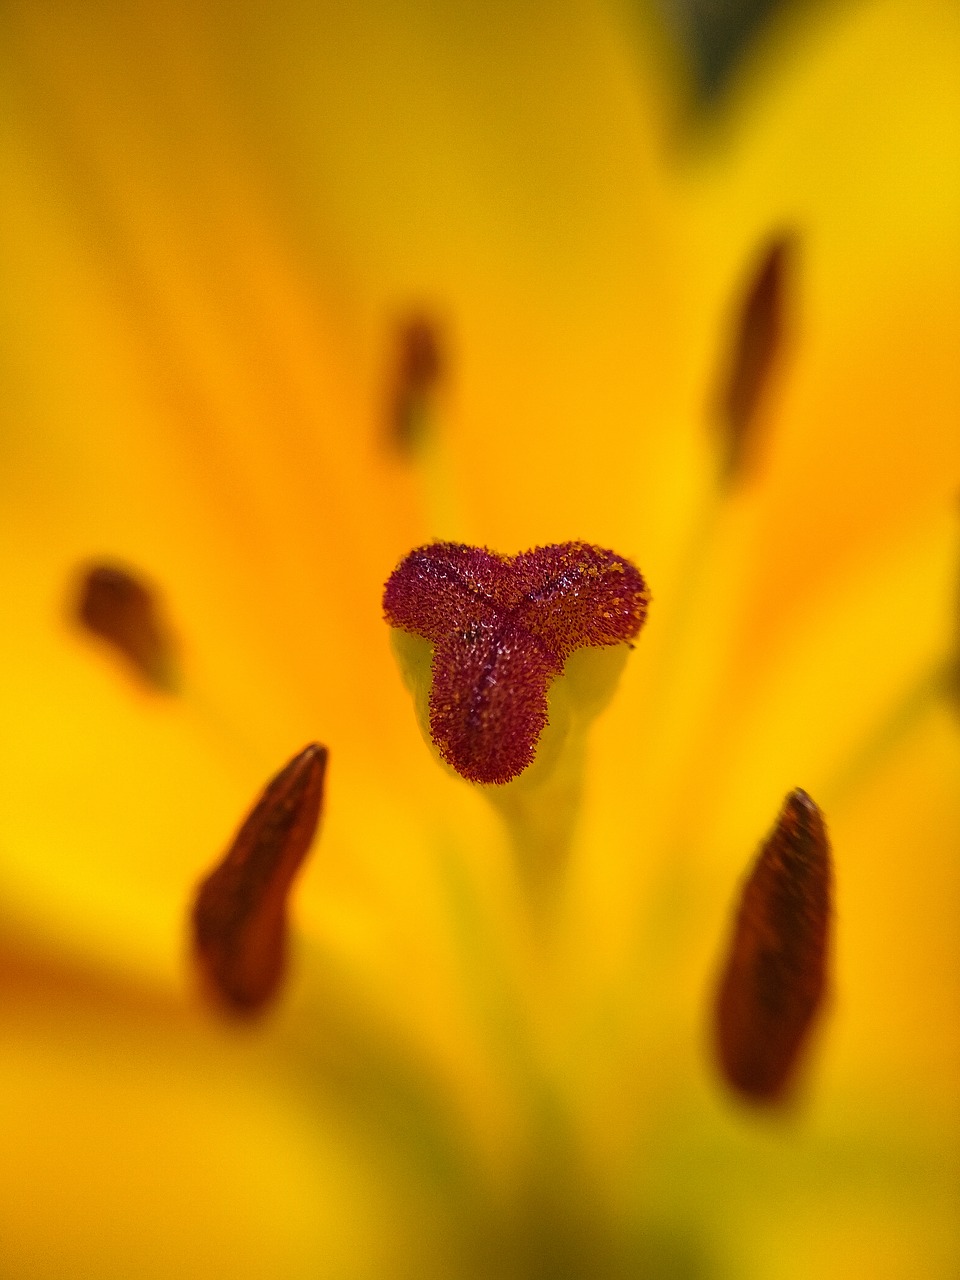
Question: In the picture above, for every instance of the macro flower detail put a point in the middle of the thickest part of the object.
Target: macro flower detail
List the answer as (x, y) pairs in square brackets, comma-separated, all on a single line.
[(121, 609), (760, 334), (290, 290), (419, 368), (240, 913), (775, 978), (502, 628)]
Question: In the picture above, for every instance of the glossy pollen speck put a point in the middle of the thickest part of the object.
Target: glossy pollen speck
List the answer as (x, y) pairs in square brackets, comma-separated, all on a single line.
[(775, 977), (115, 604), (502, 628), (239, 918)]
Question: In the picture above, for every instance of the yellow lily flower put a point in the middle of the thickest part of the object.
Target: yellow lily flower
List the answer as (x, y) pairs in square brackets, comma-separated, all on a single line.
[(213, 220)]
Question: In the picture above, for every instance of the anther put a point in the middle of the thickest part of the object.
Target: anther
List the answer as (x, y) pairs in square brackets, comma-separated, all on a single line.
[(952, 669), (775, 977), (418, 369), (120, 608), (502, 628), (240, 912), (759, 336)]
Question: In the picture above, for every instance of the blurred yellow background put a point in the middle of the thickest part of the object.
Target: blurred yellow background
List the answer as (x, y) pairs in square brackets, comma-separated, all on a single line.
[(212, 220)]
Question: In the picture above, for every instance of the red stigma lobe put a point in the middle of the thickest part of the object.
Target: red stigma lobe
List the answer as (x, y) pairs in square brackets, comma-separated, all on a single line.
[(502, 628)]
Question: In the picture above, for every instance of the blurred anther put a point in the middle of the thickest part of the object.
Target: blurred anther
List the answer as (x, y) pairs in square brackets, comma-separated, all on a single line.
[(952, 676), (419, 365), (776, 971), (240, 912), (760, 333), (120, 608), (716, 38)]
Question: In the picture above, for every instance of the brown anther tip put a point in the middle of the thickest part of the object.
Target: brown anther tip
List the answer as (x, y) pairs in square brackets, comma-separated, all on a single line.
[(118, 606), (760, 333), (419, 367), (240, 913), (775, 978)]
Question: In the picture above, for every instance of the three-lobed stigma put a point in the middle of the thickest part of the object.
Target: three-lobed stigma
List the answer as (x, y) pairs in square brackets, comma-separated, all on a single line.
[(502, 628)]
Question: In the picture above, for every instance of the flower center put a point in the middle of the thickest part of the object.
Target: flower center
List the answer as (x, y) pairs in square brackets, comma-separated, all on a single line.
[(502, 628)]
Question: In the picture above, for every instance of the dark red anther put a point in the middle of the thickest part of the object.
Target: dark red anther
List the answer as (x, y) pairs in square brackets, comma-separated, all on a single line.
[(418, 370), (122, 609), (502, 628), (759, 335), (776, 973), (240, 912)]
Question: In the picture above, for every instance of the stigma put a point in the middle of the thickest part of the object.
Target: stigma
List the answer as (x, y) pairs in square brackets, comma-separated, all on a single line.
[(502, 628)]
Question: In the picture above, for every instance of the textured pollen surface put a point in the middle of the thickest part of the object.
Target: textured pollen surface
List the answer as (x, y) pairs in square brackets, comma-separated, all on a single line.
[(776, 972), (240, 913), (502, 628)]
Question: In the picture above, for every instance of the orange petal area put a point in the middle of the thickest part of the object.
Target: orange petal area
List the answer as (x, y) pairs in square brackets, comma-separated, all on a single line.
[(230, 479), (207, 405), (860, 437), (139, 1141), (863, 1175), (206, 227)]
